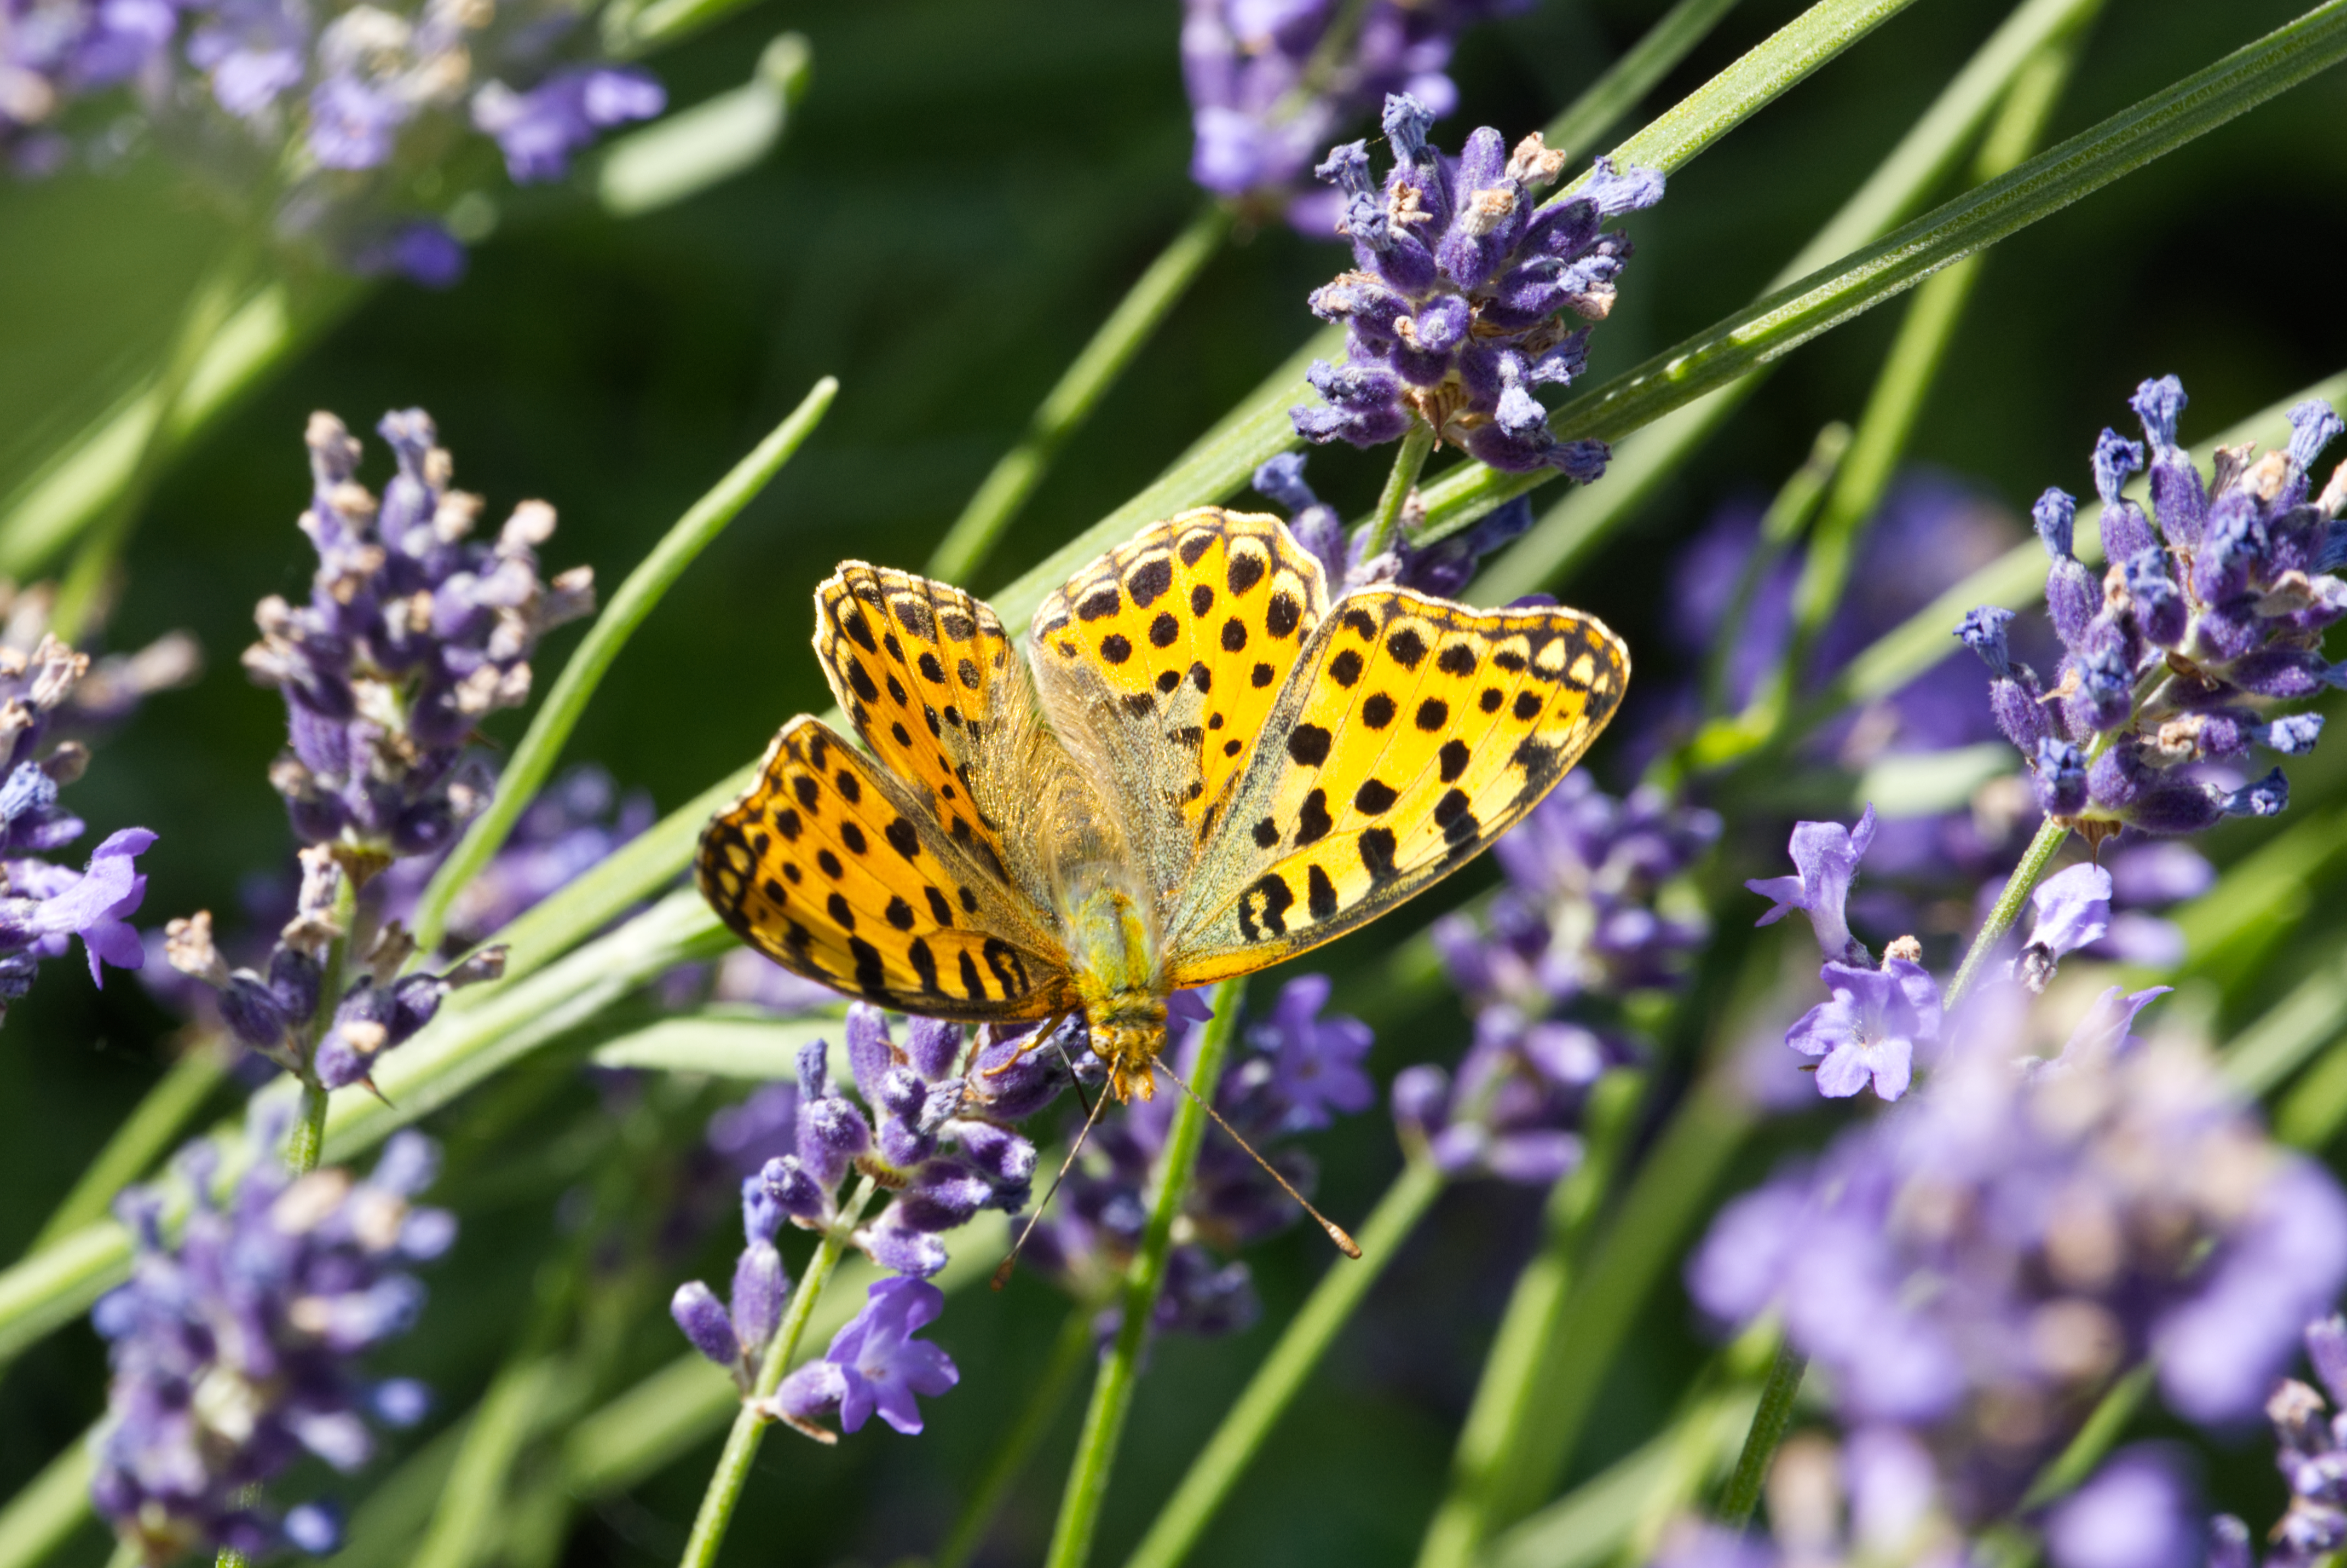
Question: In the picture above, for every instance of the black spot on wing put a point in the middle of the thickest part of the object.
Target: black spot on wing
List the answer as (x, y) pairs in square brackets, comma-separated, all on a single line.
[(1149, 580), (1308, 745), (1319, 893)]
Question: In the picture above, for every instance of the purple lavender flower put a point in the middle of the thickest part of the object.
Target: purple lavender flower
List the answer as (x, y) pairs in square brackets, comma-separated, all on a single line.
[(2311, 1451), (1316, 1061), (1452, 316), (413, 633), (540, 130), (1978, 1263), (874, 1365), (2074, 908), (1443, 568), (1825, 862), (44, 907), (571, 825), (2204, 623), (1868, 1029), (235, 1346), (1268, 84), (2136, 1512), (1874, 1498), (1580, 920)]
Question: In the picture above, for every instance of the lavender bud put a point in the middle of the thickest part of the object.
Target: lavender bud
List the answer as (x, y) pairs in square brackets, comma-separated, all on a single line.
[(2115, 458), (762, 1211), (800, 1195), (2159, 607), (1984, 631), (870, 1052), (702, 1319), (2060, 778), (2268, 796), (760, 1287), (931, 1045)]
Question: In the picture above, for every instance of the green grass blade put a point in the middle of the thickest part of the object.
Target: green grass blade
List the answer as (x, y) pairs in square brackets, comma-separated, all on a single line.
[(1787, 318)]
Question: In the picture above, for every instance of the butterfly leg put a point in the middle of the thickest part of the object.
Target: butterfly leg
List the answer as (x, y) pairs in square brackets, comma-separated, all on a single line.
[(1049, 1031)]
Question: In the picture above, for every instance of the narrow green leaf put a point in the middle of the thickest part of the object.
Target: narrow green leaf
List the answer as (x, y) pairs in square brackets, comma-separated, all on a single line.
[(723, 1047), (549, 728), (1588, 514), (51, 1507), (685, 153), (2263, 1056), (1790, 317)]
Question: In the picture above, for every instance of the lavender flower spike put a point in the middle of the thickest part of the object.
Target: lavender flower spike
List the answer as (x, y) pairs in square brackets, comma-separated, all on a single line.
[(1825, 857), (1453, 312)]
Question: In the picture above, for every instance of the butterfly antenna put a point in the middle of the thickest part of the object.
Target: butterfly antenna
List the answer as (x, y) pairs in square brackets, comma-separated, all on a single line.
[(1337, 1233), (1002, 1272)]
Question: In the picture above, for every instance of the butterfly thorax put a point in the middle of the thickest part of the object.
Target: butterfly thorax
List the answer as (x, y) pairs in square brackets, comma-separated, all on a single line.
[(1114, 961)]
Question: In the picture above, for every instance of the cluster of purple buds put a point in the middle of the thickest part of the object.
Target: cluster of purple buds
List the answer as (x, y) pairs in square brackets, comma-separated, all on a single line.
[(1442, 568), (941, 1152), (279, 1009), (1580, 922), (1271, 80), (413, 633), (43, 906), (1453, 316), (1978, 1265), (362, 101), (734, 1333), (2205, 620), (235, 1346), (1300, 1070), (2311, 1449), (569, 827)]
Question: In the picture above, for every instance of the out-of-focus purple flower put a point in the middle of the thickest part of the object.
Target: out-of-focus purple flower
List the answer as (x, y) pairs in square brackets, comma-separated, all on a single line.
[(540, 130), (2204, 622), (1268, 84), (422, 251), (1980, 1262), (574, 822), (1442, 568), (1825, 860), (2138, 1510), (1873, 1499), (1316, 1061), (1580, 920), (1868, 1030), (1453, 315), (235, 1346), (875, 1366), (44, 907), (413, 633)]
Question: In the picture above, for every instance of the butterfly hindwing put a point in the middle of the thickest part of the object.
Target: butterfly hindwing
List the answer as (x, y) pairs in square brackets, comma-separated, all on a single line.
[(1171, 651), (829, 867), (926, 674), (1411, 734)]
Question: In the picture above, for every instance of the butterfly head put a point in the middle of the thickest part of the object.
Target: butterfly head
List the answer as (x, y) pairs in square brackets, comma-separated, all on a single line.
[(1128, 1032)]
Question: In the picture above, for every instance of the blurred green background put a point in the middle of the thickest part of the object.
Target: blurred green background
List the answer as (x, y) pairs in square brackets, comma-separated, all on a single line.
[(964, 192)]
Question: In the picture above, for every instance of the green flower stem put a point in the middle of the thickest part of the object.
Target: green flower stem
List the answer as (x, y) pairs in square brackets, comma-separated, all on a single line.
[(305, 1144), (1401, 480), (153, 1125), (1588, 515), (55, 1504), (1017, 1447), (2077, 1461), (2033, 861), (1120, 1370), (1070, 402), (549, 728), (1760, 1439), (1248, 1422), (1788, 317), (1512, 1384), (742, 1443), (1651, 1220), (1640, 69)]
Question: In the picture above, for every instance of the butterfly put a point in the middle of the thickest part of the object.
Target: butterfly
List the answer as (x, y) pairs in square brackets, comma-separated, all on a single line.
[(1200, 764)]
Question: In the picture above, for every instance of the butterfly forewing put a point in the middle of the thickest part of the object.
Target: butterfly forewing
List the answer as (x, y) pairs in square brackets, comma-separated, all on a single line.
[(1171, 650), (926, 674), (1413, 733), (832, 868)]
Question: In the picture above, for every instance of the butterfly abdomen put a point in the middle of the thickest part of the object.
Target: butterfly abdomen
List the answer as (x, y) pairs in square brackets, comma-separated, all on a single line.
[(1113, 958)]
